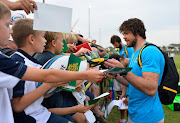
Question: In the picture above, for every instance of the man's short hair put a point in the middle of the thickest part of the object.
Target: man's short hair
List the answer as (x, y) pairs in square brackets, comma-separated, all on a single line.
[(49, 36), (4, 10), (22, 28), (115, 38), (135, 25)]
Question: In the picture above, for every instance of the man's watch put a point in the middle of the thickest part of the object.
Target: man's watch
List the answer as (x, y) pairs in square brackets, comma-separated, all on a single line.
[(123, 74)]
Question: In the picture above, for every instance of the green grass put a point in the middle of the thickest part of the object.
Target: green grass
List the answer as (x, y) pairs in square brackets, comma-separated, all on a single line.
[(170, 116), (177, 62)]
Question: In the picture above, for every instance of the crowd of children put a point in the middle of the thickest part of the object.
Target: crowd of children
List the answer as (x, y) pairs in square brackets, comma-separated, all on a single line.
[(20, 74)]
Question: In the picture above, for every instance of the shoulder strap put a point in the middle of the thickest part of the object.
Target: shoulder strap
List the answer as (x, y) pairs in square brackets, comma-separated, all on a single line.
[(126, 50), (139, 56)]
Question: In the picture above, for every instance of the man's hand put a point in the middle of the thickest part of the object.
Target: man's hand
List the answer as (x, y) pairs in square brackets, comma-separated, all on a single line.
[(26, 5), (94, 75), (82, 109), (113, 63)]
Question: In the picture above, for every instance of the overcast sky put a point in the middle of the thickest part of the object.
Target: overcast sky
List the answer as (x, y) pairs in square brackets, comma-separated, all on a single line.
[(161, 18)]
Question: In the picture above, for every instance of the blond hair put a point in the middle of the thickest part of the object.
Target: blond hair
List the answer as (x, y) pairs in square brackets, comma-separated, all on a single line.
[(4, 10), (22, 28), (70, 38), (49, 36)]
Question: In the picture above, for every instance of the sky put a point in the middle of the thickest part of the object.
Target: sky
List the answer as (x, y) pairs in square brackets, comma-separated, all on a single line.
[(161, 18)]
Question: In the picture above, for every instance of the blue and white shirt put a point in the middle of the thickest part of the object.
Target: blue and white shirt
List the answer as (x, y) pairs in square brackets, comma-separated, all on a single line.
[(10, 74), (143, 108), (38, 113)]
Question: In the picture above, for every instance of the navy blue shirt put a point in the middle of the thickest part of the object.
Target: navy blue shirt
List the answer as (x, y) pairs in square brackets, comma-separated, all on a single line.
[(12, 67), (43, 57)]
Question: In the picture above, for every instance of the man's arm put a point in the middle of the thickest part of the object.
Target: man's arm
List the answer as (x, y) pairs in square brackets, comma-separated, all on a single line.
[(147, 84), (122, 80), (55, 75), (20, 103), (26, 5)]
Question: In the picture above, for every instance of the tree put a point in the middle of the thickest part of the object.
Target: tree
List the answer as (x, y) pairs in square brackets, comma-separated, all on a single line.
[(164, 48)]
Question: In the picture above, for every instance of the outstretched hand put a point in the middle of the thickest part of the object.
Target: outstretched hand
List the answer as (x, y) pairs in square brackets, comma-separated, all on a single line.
[(71, 47), (26, 5), (82, 52), (94, 75)]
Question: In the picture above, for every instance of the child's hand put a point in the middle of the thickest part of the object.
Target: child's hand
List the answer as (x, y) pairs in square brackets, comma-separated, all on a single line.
[(94, 75), (82, 52), (82, 109), (78, 89), (87, 98), (71, 47)]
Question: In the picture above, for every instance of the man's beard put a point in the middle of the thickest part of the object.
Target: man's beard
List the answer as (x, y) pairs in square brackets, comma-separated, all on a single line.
[(133, 43), (120, 46)]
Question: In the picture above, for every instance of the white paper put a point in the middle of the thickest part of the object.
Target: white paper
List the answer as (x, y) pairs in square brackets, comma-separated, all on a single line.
[(123, 106), (90, 117), (103, 70), (80, 97), (118, 103), (52, 18), (102, 95)]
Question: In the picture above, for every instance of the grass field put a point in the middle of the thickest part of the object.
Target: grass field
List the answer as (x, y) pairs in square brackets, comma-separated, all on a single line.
[(170, 116)]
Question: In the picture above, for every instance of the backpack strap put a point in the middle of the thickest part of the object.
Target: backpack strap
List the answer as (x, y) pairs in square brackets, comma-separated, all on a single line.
[(126, 50), (139, 56)]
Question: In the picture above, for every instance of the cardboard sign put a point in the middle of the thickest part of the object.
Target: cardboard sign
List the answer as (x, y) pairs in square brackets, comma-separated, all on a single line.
[(52, 18)]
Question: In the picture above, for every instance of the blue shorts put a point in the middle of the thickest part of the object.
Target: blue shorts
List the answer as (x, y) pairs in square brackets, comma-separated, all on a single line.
[(54, 118), (61, 99), (89, 94)]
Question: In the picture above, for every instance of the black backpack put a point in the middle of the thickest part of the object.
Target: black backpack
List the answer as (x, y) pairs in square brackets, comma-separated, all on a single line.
[(168, 87)]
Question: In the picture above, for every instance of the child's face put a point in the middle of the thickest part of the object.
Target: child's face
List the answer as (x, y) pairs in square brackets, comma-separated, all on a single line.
[(39, 42), (59, 44), (4, 30)]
